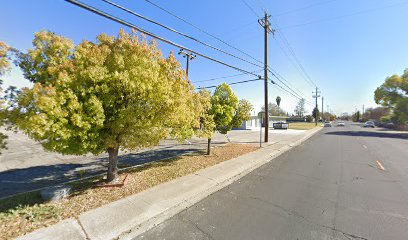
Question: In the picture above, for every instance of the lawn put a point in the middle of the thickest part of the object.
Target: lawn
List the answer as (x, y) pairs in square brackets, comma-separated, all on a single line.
[(24, 213), (303, 125)]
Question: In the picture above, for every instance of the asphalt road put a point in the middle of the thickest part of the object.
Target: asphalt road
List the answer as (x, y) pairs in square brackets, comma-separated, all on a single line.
[(330, 187)]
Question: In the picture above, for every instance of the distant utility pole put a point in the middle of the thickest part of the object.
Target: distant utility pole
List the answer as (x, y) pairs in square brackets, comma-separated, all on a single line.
[(328, 109), (189, 56), (264, 22), (363, 110), (322, 110), (316, 95)]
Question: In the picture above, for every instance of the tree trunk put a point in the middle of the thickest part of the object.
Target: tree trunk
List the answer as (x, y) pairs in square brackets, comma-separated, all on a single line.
[(209, 147), (113, 164)]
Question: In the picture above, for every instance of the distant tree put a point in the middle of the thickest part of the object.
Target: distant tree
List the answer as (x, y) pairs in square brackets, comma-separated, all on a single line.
[(4, 67), (345, 116), (226, 111), (309, 118), (316, 113), (376, 113), (207, 124), (278, 101), (242, 113), (9, 95), (393, 94), (4, 58), (300, 108), (115, 93), (274, 110), (356, 116), (223, 106)]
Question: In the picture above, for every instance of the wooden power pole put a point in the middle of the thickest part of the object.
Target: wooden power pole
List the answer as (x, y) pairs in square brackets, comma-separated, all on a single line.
[(189, 56), (264, 22), (316, 95)]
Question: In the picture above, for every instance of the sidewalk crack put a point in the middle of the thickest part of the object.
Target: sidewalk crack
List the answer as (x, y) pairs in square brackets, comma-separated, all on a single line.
[(82, 227), (197, 227), (299, 216)]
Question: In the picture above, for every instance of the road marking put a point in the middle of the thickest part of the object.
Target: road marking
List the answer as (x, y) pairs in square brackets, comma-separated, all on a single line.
[(364, 146), (380, 166)]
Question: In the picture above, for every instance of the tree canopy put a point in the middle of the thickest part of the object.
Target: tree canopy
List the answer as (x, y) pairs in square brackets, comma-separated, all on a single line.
[(223, 107), (207, 124), (274, 110), (4, 67), (316, 113), (4, 58), (300, 107), (393, 94), (221, 112), (115, 93)]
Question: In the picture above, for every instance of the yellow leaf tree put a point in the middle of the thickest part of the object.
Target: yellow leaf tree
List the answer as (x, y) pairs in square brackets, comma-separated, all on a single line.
[(114, 93), (222, 112), (4, 66)]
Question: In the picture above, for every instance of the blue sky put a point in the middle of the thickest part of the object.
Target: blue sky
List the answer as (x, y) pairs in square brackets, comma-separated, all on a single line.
[(347, 47)]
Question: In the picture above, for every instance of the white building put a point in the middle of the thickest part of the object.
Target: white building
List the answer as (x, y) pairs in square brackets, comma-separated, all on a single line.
[(253, 123)]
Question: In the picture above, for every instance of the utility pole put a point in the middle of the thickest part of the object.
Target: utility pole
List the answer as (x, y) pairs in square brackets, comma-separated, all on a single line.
[(264, 22), (363, 110), (316, 95), (328, 110), (189, 56), (322, 110)]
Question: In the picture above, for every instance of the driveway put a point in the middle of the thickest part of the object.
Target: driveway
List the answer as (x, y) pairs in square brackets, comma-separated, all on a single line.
[(25, 166)]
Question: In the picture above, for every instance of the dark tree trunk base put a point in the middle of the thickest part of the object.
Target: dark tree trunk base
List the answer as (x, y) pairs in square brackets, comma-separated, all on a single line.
[(209, 147), (113, 164)]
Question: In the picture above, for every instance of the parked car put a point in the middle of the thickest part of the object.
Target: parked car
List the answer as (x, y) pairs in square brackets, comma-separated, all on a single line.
[(341, 124), (369, 124), (327, 124), (390, 125)]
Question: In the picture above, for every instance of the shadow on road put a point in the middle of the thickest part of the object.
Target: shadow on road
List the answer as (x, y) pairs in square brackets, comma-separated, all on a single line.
[(369, 134), (27, 179)]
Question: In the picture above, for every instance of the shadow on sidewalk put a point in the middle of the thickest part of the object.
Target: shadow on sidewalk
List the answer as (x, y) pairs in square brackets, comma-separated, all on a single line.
[(27, 179)]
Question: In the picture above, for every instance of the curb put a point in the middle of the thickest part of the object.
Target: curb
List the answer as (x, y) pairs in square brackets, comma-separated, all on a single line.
[(134, 215)]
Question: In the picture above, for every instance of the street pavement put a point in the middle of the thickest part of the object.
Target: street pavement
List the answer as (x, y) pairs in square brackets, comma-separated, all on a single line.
[(25, 166), (343, 183)]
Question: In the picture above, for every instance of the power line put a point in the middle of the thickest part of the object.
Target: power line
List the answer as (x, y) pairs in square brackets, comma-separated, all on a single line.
[(291, 91), (280, 87), (202, 30), (294, 56), (230, 76), (273, 74), (305, 7), (234, 83), (296, 62), (123, 22), (177, 32), (344, 16), (301, 69), (251, 9), (262, 4), (284, 79)]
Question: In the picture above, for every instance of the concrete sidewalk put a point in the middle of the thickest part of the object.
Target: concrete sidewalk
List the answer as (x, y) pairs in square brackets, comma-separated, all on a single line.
[(26, 166), (133, 215)]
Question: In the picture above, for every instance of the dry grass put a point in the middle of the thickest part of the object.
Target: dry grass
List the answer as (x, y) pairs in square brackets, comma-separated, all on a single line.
[(19, 220), (303, 125)]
